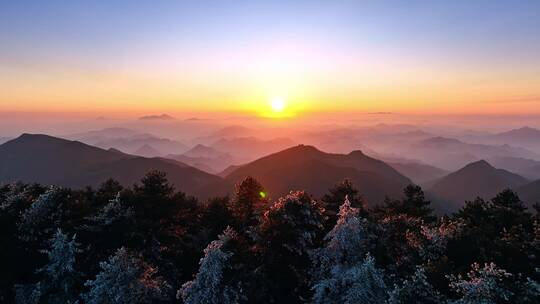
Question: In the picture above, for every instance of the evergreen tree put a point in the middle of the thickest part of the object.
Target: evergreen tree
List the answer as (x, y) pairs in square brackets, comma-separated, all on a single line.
[(413, 204), (288, 232), (58, 277), (210, 285), (38, 222), (108, 190), (153, 197), (361, 283), (126, 278), (333, 200), (483, 285), (416, 289), (347, 243), (113, 212), (249, 198)]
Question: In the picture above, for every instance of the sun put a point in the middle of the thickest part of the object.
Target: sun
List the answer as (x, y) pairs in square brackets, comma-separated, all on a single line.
[(278, 105)]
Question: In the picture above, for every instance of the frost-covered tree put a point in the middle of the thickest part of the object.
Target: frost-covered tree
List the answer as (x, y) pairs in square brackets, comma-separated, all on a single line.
[(292, 224), (335, 198), (209, 285), (42, 217), (416, 289), (28, 294), (58, 276), (483, 285), (343, 273), (362, 283), (113, 212), (126, 278), (346, 243), (432, 240)]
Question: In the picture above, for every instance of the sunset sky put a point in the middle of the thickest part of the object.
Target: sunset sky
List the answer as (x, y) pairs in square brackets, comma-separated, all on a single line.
[(451, 57)]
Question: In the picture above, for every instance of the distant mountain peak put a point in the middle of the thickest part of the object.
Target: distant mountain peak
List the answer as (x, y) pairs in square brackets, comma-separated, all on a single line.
[(147, 151), (525, 131), (479, 164), (304, 149), (157, 117), (357, 152), (201, 150), (441, 140)]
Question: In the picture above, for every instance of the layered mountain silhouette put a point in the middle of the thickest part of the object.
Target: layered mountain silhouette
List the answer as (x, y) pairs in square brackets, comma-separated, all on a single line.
[(203, 151), (252, 147), (419, 173), (525, 137), (94, 136), (157, 117), (133, 143), (50, 160), (478, 179), (528, 168), (205, 158), (147, 151), (530, 193), (450, 153), (305, 167), (524, 134)]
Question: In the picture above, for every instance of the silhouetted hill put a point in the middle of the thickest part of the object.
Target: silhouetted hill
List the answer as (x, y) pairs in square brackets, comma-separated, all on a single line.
[(530, 193), (157, 117), (306, 168), (97, 135), (524, 133), (478, 179), (133, 143), (228, 170), (205, 158), (525, 167), (252, 147), (419, 173), (4, 139), (450, 153), (50, 160), (203, 151), (147, 151)]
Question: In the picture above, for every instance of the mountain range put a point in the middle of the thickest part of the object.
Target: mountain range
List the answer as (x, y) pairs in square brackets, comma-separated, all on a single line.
[(305, 167), (206, 159), (478, 179), (50, 160)]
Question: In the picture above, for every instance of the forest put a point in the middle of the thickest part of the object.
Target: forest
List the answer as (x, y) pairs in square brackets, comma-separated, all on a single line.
[(152, 244)]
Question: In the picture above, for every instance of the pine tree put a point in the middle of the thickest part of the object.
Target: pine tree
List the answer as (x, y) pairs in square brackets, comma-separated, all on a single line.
[(288, 232), (248, 199), (416, 289), (111, 213), (209, 285), (413, 204), (333, 200), (343, 261), (483, 285), (347, 242), (58, 276), (41, 218), (361, 283), (126, 278)]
